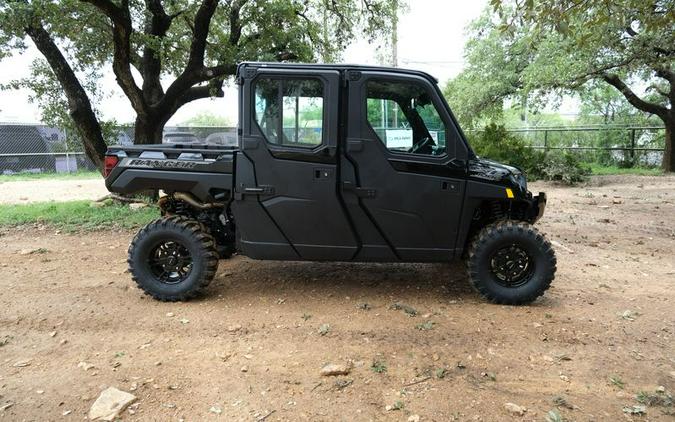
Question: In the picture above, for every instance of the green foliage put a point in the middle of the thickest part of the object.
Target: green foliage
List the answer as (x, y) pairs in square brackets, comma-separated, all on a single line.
[(496, 143), (534, 53), (379, 366), (599, 169), (208, 119), (76, 215)]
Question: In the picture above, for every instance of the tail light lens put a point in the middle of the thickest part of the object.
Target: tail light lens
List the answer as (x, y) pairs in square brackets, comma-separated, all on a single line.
[(109, 164)]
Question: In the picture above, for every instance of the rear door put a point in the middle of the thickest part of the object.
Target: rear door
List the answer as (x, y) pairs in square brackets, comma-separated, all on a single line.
[(407, 167), (286, 196)]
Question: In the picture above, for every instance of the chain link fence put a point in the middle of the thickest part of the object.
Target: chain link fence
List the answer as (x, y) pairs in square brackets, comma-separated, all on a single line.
[(31, 148)]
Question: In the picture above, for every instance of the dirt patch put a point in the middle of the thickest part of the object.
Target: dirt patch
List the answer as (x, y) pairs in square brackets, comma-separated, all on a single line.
[(27, 191), (72, 324)]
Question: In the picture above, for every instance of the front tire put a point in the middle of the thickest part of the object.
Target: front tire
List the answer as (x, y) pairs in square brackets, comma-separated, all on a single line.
[(173, 259), (511, 263)]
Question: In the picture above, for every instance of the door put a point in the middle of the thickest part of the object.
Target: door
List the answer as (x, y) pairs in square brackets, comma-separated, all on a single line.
[(408, 166), (286, 195)]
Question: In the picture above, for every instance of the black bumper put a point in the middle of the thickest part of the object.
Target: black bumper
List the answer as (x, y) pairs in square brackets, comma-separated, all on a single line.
[(538, 206)]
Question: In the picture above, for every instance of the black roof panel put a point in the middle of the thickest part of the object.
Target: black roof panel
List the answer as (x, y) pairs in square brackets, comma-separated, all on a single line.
[(336, 66)]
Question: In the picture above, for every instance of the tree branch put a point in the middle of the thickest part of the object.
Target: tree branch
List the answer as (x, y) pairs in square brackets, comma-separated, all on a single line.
[(632, 98), (200, 33), (122, 55)]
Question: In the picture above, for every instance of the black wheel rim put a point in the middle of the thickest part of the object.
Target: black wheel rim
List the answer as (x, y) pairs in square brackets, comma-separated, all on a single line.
[(512, 266), (170, 262)]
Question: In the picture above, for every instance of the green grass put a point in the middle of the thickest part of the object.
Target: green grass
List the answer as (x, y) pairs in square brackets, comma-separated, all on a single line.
[(600, 170), (50, 176), (76, 215)]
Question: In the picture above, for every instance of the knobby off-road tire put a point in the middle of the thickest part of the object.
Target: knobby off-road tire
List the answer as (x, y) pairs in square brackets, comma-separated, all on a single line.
[(511, 263), (173, 258)]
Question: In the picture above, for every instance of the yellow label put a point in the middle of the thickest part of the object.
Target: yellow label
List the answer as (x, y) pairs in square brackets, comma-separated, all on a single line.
[(509, 193)]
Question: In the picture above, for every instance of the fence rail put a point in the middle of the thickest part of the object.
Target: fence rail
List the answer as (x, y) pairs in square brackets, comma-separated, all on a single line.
[(30, 148)]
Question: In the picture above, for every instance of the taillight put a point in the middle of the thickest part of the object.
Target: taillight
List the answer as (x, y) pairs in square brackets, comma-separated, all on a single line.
[(109, 164)]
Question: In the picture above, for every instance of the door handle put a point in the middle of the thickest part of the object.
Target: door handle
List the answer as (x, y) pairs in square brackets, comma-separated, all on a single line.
[(360, 192)]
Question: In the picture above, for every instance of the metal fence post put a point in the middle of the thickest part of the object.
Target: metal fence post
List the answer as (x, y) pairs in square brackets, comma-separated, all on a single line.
[(632, 146), (545, 140)]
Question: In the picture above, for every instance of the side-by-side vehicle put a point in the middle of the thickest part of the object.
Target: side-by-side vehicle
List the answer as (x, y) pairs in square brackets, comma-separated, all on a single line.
[(334, 163)]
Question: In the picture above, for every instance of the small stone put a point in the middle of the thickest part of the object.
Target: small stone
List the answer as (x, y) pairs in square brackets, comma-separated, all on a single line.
[(660, 389), (514, 409), (137, 206), (215, 409), (40, 391), (184, 321), (234, 328), (52, 334), (414, 418), (109, 404), (388, 407), (435, 356), (22, 363), (333, 369), (170, 314), (244, 368), (86, 366), (67, 412)]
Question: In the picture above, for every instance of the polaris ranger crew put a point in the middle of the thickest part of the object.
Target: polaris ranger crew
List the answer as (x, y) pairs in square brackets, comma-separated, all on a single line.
[(334, 163)]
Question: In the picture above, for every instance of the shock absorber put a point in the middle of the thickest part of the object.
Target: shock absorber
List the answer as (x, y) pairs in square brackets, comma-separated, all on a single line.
[(496, 210)]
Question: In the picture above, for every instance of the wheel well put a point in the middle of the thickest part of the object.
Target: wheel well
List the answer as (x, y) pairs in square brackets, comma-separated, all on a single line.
[(491, 210)]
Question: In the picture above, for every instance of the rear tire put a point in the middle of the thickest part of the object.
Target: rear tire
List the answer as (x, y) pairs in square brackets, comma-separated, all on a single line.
[(173, 258), (511, 263)]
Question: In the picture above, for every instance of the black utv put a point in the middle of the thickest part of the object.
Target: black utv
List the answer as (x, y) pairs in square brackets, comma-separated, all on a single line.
[(334, 163)]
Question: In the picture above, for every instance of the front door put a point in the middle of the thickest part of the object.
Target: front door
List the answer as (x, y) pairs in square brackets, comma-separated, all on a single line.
[(406, 158), (286, 195)]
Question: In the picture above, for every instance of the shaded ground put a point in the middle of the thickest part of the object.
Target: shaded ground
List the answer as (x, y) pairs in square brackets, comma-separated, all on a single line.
[(27, 191), (610, 314)]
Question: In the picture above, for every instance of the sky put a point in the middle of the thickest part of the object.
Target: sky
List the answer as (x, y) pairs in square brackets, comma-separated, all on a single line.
[(431, 37)]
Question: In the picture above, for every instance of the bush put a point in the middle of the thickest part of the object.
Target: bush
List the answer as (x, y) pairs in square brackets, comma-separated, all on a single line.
[(563, 167), (498, 144)]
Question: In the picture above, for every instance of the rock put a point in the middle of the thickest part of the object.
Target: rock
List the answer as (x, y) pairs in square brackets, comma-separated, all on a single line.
[(184, 321), (514, 409), (86, 366), (244, 368), (137, 206), (234, 328), (333, 369), (6, 406), (672, 374), (169, 314), (660, 389), (414, 418), (109, 404), (22, 363), (215, 409), (52, 334)]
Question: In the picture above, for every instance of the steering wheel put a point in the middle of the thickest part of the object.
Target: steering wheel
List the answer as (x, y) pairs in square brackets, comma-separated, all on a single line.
[(426, 141)]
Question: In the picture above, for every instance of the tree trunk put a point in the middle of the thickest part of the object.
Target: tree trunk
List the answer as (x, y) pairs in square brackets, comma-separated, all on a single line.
[(669, 151), (148, 130), (79, 105)]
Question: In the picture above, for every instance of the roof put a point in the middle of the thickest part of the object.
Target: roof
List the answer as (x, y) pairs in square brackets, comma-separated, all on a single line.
[(337, 66)]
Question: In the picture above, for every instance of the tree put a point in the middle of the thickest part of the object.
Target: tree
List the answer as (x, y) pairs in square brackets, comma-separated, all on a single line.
[(195, 44), (530, 49)]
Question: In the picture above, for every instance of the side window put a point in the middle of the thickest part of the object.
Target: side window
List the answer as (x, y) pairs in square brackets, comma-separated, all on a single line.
[(290, 111), (404, 117)]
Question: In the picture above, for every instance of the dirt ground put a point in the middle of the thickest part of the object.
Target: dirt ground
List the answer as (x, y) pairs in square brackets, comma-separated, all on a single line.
[(26, 191), (72, 324)]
